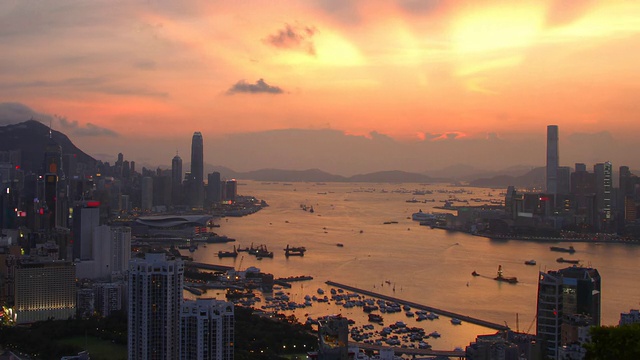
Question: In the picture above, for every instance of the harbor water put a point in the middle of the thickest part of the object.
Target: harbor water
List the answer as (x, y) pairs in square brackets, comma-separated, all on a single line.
[(405, 260)]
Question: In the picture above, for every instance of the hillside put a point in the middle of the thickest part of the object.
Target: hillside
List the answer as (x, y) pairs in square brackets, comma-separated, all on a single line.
[(31, 138)]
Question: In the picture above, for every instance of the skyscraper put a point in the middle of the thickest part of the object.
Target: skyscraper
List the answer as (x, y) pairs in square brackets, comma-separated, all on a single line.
[(197, 171), (176, 180), (155, 297), (206, 330), (561, 295), (552, 159)]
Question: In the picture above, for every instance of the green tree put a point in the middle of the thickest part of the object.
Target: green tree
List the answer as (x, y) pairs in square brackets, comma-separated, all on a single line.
[(614, 342)]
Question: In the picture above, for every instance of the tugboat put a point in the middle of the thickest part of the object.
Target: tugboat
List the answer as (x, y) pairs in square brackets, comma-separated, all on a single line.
[(501, 277)]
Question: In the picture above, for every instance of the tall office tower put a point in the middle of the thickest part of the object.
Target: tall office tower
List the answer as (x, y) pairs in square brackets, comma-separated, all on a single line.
[(206, 330), (86, 217), (43, 290), (197, 171), (563, 294), (230, 190), (564, 180), (176, 180), (603, 174), (552, 159), (214, 188), (625, 181), (147, 193), (155, 296)]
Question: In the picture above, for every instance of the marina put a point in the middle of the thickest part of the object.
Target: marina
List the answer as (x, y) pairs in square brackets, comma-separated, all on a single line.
[(459, 317)]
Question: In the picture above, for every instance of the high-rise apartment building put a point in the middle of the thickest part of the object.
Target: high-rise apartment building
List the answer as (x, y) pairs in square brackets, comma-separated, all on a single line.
[(563, 294), (155, 298), (206, 330), (197, 170), (552, 159)]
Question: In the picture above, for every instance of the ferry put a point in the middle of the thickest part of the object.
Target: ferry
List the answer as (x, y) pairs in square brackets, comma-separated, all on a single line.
[(422, 216)]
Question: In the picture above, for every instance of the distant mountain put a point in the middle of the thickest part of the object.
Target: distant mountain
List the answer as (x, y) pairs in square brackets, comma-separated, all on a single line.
[(464, 172), (31, 138), (312, 175), (393, 177), (533, 178)]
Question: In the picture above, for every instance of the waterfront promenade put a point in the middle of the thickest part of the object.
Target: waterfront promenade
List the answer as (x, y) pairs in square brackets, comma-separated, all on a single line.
[(450, 314)]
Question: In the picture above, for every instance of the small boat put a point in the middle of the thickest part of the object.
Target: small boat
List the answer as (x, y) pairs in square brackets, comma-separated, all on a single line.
[(435, 334), (375, 318), (474, 273), (456, 321), (320, 291), (530, 262), (340, 245)]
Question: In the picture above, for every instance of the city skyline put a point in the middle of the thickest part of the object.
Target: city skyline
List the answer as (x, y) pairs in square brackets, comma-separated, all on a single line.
[(417, 75)]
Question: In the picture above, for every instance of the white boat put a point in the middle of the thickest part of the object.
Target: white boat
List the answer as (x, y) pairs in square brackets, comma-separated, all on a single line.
[(422, 216)]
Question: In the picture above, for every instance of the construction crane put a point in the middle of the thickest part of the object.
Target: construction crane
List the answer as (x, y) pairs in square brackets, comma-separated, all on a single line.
[(240, 263)]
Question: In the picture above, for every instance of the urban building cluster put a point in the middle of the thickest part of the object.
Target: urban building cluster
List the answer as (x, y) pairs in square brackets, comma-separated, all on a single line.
[(66, 248)]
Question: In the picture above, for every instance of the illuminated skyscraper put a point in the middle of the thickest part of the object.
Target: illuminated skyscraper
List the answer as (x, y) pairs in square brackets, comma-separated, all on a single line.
[(552, 159), (197, 171)]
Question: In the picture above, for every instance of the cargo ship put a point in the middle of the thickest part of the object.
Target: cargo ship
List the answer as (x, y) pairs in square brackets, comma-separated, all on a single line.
[(569, 250)]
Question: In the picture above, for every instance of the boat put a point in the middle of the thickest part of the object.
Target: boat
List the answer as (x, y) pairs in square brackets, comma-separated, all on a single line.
[(501, 277), (422, 216), (212, 238), (294, 251), (375, 318), (435, 334), (530, 262), (474, 273), (568, 261), (233, 253), (340, 245), (456, 321), (320, 291), (569, 250)]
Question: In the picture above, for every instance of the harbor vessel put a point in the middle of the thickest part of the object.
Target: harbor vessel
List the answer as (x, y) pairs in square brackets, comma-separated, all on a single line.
[(568, 261), (530, 262), (501, 277), (569, 250)]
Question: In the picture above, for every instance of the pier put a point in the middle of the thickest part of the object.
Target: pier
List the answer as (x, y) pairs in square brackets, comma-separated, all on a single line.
[(450, 314)]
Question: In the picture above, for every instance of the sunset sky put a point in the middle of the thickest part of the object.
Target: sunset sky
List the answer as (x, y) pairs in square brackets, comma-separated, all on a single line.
[(413, 70)]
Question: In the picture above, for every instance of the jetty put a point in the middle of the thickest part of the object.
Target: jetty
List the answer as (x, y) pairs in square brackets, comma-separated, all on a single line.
[(414, 305), (199, 265)]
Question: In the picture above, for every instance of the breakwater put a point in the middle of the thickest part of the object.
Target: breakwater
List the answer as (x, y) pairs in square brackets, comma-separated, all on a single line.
[(450, 314)]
